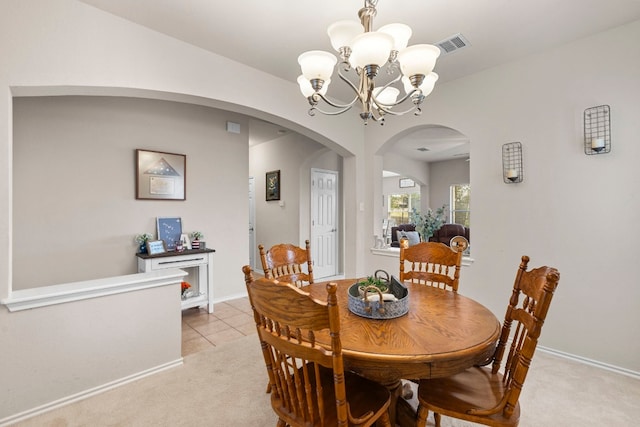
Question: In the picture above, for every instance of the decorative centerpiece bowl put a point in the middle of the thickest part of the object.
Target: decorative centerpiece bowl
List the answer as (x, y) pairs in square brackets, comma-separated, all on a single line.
[(379, 298)]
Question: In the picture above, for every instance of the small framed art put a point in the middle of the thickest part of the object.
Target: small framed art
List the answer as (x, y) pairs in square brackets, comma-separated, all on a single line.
[(273, 185), (160, 176), (170, 231), (407, 183), (155, 247)]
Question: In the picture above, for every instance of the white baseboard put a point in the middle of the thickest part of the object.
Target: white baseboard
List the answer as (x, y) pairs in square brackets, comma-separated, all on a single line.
[(87, 393), (229, 298), (591, 362)]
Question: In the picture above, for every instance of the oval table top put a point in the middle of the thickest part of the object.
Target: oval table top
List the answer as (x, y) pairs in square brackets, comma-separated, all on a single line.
[(442, 334)]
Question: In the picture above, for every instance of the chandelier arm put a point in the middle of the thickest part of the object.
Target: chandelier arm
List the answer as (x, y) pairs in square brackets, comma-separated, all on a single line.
[(378, 118), (417, 101), (416, 106), (349, 82), (397, 113), (328, 113), (336, 105)]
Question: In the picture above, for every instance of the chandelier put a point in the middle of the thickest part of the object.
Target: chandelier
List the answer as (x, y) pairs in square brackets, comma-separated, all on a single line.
[(366, 52)]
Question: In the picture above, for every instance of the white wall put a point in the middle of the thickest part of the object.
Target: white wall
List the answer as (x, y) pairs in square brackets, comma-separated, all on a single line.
[(572, 211), (51, 355), (275, 223), (294, 155), (442, 175), (74, 185), (410, 168)]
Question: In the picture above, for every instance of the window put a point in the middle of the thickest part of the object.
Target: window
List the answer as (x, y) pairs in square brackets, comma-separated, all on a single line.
[(460, 210), (400, 206)]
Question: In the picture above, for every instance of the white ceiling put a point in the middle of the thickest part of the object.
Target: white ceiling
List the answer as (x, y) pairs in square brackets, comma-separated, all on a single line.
[(270, 34)]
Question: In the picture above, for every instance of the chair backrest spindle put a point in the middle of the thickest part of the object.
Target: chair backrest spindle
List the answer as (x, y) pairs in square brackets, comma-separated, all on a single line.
[(430, 263)]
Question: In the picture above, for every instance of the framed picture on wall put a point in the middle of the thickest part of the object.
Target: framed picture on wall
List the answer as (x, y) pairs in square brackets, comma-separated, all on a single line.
[(407, 183), (169, 231), (160, 176), (273, 185)]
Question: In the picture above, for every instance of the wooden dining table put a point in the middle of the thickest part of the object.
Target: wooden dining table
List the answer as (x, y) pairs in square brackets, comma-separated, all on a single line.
[(442, 334)]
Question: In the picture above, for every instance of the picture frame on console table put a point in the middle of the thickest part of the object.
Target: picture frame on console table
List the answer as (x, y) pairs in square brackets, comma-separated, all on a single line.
[(160, 175), (169, 231), (155, 247)]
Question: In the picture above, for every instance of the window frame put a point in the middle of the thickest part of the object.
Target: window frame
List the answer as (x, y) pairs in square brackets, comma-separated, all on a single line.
[(452, 204)]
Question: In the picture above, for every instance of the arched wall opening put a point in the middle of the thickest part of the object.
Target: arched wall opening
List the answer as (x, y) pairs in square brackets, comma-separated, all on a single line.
[(426, 159), (91, 245)]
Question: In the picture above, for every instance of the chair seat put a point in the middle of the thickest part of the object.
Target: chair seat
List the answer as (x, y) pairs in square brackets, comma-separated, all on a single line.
[(362, 395), (475, 388)]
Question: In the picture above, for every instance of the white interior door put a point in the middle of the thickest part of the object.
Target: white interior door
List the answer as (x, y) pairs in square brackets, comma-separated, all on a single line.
[(252, 222), (324, 223)]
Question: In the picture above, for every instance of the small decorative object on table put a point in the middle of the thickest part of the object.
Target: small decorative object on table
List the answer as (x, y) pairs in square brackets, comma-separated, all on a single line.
[(186, 242), (376, 281), (141, 240), (196, 236), (186, 293), (378, 297)]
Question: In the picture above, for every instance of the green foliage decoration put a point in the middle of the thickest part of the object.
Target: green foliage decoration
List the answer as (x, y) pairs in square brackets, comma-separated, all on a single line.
[(428, 222), (374, 281)]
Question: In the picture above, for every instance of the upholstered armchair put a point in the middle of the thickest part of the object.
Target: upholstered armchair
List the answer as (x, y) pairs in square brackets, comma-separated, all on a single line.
[(447, 231)]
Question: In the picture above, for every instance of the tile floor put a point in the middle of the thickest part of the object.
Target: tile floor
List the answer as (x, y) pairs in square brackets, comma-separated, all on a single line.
[(230, 320)]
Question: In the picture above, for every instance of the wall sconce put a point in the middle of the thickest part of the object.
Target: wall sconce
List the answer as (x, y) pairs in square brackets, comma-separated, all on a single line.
[(597, 130), (512, 170)]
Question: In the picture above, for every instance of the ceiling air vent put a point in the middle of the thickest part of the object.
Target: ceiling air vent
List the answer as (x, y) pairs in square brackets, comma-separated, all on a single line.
[(453, 44)]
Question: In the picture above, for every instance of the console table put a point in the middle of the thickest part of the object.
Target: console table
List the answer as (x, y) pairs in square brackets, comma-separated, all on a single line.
[(200, 259)]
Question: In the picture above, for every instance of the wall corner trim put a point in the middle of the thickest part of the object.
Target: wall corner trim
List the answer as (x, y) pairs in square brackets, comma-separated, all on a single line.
[(26, 299)]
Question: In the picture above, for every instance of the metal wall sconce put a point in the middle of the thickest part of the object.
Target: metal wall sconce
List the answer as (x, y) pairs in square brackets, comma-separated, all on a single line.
[(597, 130), (512, 170)]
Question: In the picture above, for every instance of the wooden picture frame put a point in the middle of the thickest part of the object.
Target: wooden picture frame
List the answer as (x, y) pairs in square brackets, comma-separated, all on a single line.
[(160, 175), (155, 247), (272, 185), (169, 230)]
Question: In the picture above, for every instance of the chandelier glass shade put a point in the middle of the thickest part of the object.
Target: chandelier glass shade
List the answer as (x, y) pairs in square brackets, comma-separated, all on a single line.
[(363, 53)]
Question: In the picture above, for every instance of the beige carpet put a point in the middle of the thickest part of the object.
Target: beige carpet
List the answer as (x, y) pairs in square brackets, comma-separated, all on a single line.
[(225, 386)]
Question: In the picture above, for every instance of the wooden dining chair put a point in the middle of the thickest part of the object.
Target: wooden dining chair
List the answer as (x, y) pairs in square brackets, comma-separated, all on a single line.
[(309, 386), (483, 394), (430, 263), (286, 262)]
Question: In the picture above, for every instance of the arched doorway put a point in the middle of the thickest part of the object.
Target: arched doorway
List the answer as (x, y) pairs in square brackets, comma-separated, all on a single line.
[(425, 167)]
